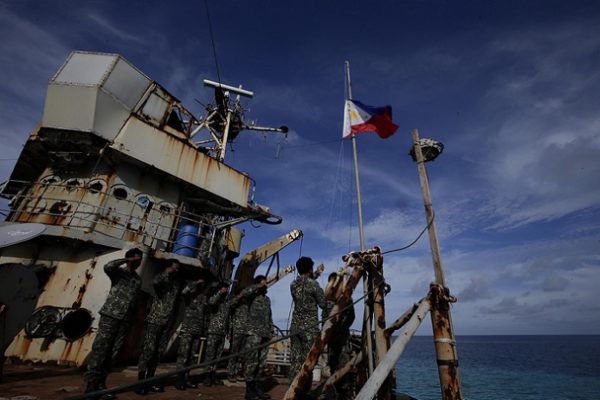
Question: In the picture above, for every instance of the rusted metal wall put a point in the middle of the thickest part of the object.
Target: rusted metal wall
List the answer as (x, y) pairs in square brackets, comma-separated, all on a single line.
[(179, 158), (76, 279)]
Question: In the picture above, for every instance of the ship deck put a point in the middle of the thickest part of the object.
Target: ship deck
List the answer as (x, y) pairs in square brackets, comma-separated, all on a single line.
[(41, 382)]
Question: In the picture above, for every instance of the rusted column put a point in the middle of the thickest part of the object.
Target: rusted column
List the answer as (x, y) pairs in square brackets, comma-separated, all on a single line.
[(371, 387), (445, 344), (301, 383), (382, 343)]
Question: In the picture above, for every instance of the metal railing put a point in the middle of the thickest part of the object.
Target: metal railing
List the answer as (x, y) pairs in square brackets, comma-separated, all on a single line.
[(93, 211)]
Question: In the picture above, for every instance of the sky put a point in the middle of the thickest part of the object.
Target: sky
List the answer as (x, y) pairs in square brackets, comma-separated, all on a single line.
[(511, 88)]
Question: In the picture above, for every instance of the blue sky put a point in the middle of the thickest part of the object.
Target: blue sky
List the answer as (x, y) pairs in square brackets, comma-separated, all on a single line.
[(511, 88)]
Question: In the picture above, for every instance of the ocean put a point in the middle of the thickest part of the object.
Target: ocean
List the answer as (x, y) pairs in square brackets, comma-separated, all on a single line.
[(508, 368)]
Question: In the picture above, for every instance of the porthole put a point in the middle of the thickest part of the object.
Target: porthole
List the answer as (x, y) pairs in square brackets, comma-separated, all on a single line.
[(165, 208), (143, 200), (120, 193), (96, 186), (50, 180), (73, 184)]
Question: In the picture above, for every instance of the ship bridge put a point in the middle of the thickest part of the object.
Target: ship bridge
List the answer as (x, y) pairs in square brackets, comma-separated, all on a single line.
[(113, 160), (111, 166)]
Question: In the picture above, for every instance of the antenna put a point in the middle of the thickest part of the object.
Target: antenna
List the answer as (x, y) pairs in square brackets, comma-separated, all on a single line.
[(232, 89), (225, 119)]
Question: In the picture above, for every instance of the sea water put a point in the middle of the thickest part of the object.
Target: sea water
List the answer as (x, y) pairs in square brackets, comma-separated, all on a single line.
[(507, 368)]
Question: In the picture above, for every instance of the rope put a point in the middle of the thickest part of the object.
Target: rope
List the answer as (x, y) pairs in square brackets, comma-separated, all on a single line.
[(212, 39), (339, 184), (313, 144), (414, 241)]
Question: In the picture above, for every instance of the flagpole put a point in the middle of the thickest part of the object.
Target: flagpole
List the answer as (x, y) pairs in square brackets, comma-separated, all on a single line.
[(367, 323)]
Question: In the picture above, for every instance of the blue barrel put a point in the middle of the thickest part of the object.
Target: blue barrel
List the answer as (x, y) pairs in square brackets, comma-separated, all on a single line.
[(186, 241)]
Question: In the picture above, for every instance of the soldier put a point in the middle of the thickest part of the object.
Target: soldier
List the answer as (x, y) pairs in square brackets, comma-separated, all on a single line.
[(260, 322), (125, 287), (191, 328), (307, 295), (239, 333), (166, 287), (219, 310), (338, 351)]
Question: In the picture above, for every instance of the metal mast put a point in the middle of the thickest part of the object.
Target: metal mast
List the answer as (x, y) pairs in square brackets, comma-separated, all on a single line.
[(367, 321)]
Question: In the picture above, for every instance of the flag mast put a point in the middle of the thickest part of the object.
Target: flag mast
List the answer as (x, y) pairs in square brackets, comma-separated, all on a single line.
[(367, 322)]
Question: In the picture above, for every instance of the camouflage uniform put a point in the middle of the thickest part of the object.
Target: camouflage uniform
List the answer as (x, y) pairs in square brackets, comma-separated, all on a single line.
[(307, 295), (192, 326), (338, 350), (166, 288), (125, 287), (239, 320), (259, 328), (219, 308)]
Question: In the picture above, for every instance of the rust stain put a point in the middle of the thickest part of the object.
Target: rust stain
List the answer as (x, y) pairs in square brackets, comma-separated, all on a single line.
[(71, 351), (24, 345), (381, 322), (82, 289)]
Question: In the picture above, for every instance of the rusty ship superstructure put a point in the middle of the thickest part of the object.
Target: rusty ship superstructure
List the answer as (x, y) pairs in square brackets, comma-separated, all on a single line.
[(118, 162), (114, 164)]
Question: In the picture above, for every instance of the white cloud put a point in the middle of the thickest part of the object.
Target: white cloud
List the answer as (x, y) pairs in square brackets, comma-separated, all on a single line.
[(106, 26)]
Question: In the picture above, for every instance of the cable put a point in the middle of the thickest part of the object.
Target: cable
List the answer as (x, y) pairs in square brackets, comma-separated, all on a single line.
[(414, 241), (313, 144), (212, 39)]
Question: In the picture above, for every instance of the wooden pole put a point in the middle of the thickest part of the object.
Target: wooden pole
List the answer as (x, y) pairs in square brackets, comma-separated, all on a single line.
[(433, 242), (441, 320), (382, 343)]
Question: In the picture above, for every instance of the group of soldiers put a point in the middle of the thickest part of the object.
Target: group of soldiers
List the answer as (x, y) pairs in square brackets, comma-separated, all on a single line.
[(249, 312)]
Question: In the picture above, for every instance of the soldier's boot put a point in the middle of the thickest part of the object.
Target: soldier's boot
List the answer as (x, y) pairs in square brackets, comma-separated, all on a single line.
[(91, 387), (188, 383), (107, 396), (142, 389), (210, 379), (157, 387), (251, 391), (181, 383), (259, 392)]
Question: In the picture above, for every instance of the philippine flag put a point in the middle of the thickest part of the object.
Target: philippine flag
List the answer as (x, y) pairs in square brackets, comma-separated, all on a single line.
[(359, 117)]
